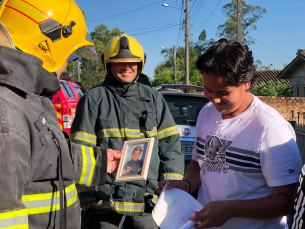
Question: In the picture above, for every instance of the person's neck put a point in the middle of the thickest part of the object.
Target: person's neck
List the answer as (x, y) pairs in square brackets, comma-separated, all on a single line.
[(245, 105)]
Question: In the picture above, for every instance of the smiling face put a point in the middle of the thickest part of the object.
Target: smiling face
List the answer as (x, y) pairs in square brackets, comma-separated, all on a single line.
[(136, 155), (124, 72), (228, 100)]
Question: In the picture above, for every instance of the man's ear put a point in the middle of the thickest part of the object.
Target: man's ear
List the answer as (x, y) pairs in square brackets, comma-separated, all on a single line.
[(247, 85)]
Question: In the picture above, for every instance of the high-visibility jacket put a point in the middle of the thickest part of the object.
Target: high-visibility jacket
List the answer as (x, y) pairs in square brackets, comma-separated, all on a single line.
[(38, 171), (112, 113)]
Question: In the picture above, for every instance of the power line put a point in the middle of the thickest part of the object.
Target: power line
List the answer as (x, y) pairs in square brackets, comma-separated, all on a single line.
[(179, 25), (254, 39), (124, 12), (268, 59), (209, 16), (273, 49), (192, 7), (153, 26), (199, 9), (154, 30), (269, 55)]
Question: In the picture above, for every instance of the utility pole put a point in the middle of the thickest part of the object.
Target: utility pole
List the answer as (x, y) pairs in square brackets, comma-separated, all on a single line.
[(77, 70), (239, 15), (175, 74), (187, 45)]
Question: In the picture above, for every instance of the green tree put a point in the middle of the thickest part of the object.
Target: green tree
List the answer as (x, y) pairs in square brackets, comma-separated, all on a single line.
[(299, 51), (250, 15), (272, 89), (92, 72), (259, 66)]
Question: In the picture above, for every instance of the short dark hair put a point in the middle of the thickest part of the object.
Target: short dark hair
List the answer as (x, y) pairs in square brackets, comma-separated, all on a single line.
[(230, 60)]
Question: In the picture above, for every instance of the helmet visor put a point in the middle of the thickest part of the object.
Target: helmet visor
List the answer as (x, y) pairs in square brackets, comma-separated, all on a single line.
[(86, 52)]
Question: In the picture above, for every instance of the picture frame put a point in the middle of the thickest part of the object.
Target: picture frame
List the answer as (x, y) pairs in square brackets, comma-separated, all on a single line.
[(134, 164)]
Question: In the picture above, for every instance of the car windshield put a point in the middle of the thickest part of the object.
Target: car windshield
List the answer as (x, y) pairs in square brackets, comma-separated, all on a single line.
[(185, 110), (79, 91)]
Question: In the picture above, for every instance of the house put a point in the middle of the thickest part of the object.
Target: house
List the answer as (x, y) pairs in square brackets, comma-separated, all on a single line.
[(270, 75), (295, 71)]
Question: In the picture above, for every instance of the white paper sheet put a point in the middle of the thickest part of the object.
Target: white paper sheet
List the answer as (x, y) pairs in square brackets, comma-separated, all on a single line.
[(173, 209)]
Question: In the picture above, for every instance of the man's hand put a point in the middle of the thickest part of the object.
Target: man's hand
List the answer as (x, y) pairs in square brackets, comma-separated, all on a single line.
[(128, 169), (87, 205), (214, 214), (113, 161)]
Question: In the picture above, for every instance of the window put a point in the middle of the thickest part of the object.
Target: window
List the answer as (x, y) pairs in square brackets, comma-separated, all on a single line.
[(79, 91), (66, 87), (185, 110)]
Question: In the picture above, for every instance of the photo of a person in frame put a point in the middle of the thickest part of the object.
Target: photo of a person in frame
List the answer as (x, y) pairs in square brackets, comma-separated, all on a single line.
[(134, 165)]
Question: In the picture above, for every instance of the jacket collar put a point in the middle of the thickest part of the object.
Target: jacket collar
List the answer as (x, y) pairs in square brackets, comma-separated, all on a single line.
[(117, 87), (25, 72)]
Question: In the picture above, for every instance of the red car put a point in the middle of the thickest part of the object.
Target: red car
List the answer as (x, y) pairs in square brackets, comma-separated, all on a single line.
[(65, 102)]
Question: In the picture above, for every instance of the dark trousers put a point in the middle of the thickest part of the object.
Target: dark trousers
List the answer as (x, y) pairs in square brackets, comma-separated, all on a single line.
[(114, 220)]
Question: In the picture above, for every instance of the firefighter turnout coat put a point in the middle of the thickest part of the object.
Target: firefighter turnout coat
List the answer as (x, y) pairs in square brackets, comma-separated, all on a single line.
[(38, 171), (112, 113)]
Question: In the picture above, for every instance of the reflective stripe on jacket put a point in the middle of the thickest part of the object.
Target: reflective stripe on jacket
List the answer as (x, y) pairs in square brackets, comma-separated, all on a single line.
[(110, 114), (37, 168)]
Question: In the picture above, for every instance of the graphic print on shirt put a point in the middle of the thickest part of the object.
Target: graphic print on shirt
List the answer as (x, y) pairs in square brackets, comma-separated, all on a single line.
[(217, 155)]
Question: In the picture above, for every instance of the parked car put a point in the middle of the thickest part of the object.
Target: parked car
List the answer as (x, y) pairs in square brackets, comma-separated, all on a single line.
[(184, 107), (65, 102)]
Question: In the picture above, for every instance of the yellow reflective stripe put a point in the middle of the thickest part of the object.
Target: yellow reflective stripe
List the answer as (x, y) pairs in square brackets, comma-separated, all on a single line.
[(121, 133), (151, 133), (88, 165), (102, 204), (128, 207), (48, 202), (85, 137), (168, 132), (155, 199), (14, 219), (171, 176), (23, 226), (28, 10)]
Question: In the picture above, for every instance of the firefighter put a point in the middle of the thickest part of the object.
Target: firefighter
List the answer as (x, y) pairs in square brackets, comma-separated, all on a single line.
[(38, 169), (122, 109)]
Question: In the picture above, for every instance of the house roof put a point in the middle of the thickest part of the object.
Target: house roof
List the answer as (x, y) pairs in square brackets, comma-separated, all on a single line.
[(290, 68), (270, 75)]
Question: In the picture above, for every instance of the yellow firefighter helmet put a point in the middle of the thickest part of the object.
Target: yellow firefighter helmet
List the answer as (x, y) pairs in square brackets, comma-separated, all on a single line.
[(123, 48), (50, 30)]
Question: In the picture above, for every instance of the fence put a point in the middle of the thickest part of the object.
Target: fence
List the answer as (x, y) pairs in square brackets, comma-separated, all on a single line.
[(300, 133)]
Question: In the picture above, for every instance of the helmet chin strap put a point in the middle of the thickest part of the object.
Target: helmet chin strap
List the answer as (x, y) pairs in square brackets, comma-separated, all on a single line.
[(5, 37)]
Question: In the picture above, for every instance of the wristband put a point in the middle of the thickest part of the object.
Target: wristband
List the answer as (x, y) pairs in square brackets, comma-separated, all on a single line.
[(189, 186)]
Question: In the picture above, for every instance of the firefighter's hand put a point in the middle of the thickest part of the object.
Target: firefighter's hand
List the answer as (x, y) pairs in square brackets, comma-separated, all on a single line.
[(128, 169), (86, 205), (113, 161)]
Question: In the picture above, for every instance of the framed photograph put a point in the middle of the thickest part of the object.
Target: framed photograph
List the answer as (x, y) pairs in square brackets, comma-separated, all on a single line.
[(134, 164)]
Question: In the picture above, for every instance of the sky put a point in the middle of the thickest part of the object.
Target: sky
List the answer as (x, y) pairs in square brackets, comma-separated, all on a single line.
[(278, 36)]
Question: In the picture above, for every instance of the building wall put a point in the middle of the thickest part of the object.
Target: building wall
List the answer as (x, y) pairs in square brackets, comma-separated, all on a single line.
[(298, 81), (285, 105)]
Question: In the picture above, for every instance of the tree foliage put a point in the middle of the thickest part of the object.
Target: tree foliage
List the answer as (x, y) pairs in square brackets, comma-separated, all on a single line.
[(92, 72), (299, 51), (250, 15), (272, 89), (164, 71)]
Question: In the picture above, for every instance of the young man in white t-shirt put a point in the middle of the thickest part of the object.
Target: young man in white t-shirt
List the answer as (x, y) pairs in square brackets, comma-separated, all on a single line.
[(245, 160)]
